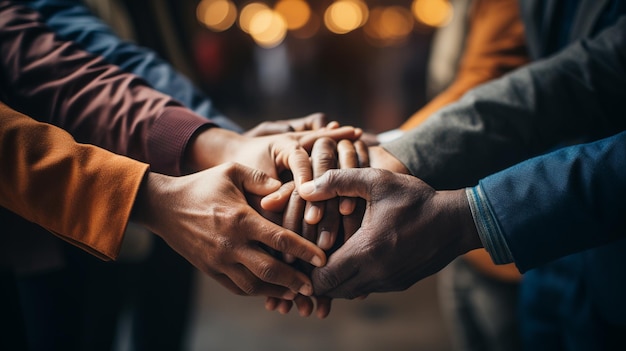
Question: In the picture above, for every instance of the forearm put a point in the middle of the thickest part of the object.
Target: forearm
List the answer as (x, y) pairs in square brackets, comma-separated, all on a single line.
[(79, 192), (557, 204), (95, 101), (575, 94), (73, 21)]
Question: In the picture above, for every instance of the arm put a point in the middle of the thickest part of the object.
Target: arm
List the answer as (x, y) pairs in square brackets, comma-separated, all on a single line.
[(41, 167), (539, 210), (73, 21), (575, 94), (93, 100), (87, 195), (494, 46), (554, 205)]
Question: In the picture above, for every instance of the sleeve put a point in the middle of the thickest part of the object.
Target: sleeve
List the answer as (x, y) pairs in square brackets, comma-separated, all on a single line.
[(73, 21), (494, 46), (575, 95), (81, 193), (95, 101), (553, 205)]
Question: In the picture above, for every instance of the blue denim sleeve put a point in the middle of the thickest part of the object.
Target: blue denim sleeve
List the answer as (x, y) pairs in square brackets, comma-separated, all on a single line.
[(556, 204), (73, 21), (488, 227)]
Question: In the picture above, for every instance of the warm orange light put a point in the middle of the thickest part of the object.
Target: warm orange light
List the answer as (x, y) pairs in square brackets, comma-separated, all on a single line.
[(295, 12), (343, 16), (247, 12), (396, 22), (309, 29), (217, 15), (389, 25), (268, 28), (434, 13)]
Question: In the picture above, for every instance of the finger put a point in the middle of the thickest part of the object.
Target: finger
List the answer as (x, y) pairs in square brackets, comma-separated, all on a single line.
[(251, 284), (307, 139), (271, 303), (363, 153), (228, 284), (255, 202), (325, 214), (309, 227), (323, 306), (300, 164), (333, 125), (343, 182), (352, 222), (280, 199), (283, 240), (328, 227), (347, 158), (284, 306), (292, 218), (275, 272), (252, 180), (304, 304), (332, 279), (269, 128)]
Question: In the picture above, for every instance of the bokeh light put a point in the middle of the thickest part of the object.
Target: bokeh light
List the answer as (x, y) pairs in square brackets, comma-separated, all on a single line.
[(268, 28), (247, 12), (389, 25), (295, 12), (343, 16), (217, 15), (434, 13)]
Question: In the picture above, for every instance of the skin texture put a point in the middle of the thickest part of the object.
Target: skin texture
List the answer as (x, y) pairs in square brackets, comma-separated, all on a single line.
[(346, 213), (272, 154), (205, 217), (409, 230), (211, 209)]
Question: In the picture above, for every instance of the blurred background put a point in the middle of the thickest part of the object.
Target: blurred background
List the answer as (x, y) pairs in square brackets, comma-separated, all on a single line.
[(362, 63)]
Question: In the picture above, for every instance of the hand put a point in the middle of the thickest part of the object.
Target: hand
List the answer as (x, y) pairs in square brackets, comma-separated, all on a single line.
[(205, 218), (326, 154), (311, 122), (270, 154), (409, 232)]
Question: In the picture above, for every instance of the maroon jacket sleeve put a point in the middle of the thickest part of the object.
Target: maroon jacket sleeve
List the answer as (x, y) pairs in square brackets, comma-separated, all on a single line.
[(57, 82)]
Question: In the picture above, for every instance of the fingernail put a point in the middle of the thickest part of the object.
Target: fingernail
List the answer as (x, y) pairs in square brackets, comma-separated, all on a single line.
[(306, 290), (307, 188), (273, 196), (316, 261), (313, 214), (324, 240)]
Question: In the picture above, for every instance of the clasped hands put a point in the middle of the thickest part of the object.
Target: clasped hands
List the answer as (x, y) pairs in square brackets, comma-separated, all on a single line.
[(362, 231)]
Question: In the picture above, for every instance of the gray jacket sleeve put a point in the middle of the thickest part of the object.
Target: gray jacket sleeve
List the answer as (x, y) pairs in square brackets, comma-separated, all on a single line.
[(576, 95)]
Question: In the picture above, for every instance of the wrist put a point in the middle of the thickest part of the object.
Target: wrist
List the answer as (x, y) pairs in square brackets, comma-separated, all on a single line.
[(210, 147), (150, 194), (381, 158), (460, 219)]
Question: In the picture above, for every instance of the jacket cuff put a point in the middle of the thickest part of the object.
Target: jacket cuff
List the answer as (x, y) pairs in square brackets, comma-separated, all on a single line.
[(169, 137)]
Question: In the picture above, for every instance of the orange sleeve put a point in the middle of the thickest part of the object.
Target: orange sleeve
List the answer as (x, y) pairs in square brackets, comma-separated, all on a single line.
[(79, 192), (494, 46)]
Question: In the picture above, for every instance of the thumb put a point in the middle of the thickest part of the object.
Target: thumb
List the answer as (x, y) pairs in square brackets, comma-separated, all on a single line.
[(254, 181), (338, 272), (355, 182)]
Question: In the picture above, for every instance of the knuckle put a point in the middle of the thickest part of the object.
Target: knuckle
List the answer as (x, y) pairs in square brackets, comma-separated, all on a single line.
[(267, 271), (279, 241), (324, 280), (251, 288)]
